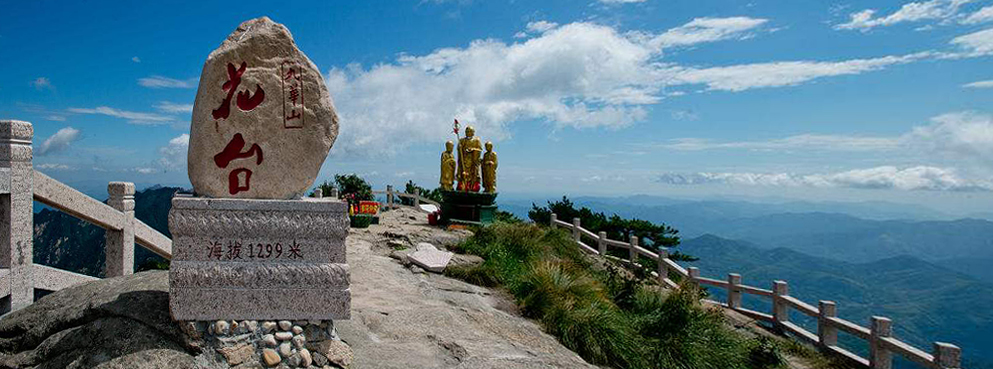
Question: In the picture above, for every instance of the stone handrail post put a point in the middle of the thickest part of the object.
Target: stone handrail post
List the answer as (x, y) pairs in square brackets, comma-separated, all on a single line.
[(552, 220), (575, 229), (693, 273), (780, 308), (879, 356), (389, 197), (601, 243), (120, 244), (632, 249), (827, 334), (17, 226), (417, 197), (663, 270), (947, 356), (734, 290)]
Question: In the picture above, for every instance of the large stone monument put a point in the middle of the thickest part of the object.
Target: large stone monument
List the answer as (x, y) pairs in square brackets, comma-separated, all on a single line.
[(246, 246)]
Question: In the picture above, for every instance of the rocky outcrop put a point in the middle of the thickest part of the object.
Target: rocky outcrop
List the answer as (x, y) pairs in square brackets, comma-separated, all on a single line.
[(125, 323), (113, 323)]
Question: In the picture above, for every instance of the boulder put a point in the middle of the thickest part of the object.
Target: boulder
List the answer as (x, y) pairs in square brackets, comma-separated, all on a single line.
[(112, 323), (124, 322), (263, 120)]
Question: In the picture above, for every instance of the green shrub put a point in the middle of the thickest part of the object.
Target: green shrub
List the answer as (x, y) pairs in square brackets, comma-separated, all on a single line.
[(361, 220), (607, 316)]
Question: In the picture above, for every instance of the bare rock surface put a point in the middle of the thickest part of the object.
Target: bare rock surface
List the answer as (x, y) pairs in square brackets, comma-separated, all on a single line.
[(406, 320), (263, 120), (399, 320), (113, 323)]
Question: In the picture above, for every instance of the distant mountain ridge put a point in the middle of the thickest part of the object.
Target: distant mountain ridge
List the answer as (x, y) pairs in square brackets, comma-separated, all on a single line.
[(823, 229), (65, 242)]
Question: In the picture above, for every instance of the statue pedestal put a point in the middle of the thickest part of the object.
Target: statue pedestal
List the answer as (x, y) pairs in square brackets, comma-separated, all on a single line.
[(467, 207), (247, 259)]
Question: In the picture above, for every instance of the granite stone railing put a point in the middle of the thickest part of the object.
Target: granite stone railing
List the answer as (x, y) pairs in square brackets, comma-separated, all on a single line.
[(882, 345), (392, 195), (21, 185)]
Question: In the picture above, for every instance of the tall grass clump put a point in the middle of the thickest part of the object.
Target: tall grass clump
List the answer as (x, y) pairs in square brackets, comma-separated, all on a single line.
[(607, 316)]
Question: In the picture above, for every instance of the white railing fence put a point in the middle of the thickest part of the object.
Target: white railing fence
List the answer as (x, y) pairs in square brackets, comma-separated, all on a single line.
[(882, 345), (392, 195), (21, 185)]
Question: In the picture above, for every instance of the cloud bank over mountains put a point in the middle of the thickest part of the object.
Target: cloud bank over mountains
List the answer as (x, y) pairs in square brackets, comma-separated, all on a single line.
[(963, 138), (922, 178)]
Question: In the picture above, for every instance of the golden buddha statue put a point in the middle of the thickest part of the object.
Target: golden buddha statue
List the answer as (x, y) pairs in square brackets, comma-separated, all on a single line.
[(469, 151), (489, 169), (447, 167)]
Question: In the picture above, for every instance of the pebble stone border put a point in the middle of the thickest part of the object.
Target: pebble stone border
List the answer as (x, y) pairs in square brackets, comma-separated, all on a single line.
[(272, 344)]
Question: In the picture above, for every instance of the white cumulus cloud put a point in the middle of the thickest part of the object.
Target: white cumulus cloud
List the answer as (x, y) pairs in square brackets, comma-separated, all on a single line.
[(173, 155), (58, 141), (977, 43), (171, 107), (132, 117), (980, 16), (701, 30), (942, 10), (166, 82), (979, 84), (777, 74), (579, 75), (963, 136)]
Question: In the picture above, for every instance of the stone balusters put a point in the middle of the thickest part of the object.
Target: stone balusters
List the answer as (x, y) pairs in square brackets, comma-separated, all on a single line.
[(16, 228), (575, 229), (734, 290), (633, 250), (120, 244), (879, 356), (780, 308)]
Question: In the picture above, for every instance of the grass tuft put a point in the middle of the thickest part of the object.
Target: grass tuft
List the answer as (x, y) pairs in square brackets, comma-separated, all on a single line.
[(608, 316)]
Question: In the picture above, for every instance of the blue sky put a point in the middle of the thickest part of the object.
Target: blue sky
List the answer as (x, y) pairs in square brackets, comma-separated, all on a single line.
[(817, 100)]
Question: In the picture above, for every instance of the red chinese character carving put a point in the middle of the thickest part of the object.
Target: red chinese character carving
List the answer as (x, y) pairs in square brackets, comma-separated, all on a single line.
[(293, 115), (293, 98), (246, 101), (233, 151), (233, 183)]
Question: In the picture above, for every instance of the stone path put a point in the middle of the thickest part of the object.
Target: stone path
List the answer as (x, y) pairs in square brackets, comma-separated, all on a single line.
[(405, 319)]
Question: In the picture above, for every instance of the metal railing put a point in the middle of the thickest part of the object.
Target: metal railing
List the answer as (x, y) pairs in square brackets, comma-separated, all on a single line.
[(21, 185), (882, 345)]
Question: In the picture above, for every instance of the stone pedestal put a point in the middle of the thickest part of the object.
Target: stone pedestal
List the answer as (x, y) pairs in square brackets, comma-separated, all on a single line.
[(468, 207), (249, 259)]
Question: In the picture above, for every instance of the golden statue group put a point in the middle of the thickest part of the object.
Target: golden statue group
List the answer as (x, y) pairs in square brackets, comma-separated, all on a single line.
[(467, 170)]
